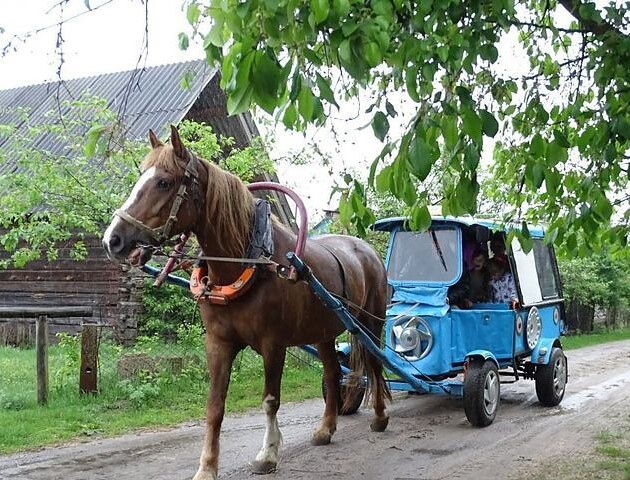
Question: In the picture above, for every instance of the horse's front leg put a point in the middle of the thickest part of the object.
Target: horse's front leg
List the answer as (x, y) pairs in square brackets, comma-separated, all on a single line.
[(267, 459), (220, 356), (332, 373)]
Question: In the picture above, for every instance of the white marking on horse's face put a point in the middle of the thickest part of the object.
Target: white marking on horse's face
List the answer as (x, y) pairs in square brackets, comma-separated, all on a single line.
[(133, 197), (147, 175)]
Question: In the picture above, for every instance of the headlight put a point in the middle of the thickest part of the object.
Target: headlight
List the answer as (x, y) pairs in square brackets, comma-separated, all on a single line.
[(412, 337)]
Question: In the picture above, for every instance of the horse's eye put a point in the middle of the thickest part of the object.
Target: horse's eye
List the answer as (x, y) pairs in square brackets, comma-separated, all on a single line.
[(163, 184)]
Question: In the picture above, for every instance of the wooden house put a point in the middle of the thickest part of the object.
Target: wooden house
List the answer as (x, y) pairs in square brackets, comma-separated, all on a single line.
[(150, 98)]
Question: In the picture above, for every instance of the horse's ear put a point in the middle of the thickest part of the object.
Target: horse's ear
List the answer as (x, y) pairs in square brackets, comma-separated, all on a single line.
[(155, 141), (177, 144)]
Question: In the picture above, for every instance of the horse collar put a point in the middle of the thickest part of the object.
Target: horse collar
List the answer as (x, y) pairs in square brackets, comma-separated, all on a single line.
[(260, 245)]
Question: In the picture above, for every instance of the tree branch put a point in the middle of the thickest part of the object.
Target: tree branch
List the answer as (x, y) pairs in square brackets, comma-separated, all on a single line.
[(598, 28)]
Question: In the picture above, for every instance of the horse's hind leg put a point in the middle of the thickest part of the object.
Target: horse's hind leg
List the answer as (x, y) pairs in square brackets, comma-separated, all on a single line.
[(380, 392), (332, 372), (267, 459), (220, 356)]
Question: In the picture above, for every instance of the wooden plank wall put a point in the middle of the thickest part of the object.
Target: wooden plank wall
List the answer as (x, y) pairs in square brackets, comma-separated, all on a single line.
[(96, 282)]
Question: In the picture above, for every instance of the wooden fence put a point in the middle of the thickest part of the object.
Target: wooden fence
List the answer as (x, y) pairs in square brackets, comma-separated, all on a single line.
[(42, 314)]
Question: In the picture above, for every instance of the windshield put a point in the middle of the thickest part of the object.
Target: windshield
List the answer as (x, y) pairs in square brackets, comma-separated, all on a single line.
[(430, 256)]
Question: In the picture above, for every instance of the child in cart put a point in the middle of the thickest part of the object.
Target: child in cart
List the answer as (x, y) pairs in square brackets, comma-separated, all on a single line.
[(502, 283)]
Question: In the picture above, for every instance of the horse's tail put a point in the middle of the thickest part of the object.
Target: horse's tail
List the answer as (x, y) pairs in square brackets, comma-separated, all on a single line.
[(363, 364)]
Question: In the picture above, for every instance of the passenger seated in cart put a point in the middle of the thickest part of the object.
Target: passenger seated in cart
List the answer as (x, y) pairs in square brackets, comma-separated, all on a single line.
[(473, 287), (497, 245), (502, 282), (479, 278)]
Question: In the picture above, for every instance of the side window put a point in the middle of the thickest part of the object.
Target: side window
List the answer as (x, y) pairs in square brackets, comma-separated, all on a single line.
[(545, 270)]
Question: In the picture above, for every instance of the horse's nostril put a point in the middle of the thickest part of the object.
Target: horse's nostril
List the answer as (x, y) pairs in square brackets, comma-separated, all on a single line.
[(115, 243)]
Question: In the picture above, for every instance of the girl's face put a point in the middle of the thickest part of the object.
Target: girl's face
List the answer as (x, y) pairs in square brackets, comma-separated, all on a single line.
[(478, 262), (496, 272)]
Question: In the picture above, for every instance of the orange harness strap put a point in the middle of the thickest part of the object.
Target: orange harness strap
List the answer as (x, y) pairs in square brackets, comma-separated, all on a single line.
[(219, 294)]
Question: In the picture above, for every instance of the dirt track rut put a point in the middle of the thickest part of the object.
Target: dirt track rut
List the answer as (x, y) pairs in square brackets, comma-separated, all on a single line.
[(428, 437)]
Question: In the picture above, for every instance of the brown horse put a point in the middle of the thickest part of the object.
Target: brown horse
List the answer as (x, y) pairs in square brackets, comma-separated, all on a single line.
[(274, 313)]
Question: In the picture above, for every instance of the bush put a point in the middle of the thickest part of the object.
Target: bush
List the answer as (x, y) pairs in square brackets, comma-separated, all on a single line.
[(165, 310)]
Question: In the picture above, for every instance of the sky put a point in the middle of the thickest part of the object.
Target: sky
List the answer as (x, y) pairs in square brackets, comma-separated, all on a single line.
[(110, 38)]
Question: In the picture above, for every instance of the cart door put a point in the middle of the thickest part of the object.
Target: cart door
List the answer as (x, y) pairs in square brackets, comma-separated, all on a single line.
[(536, 273)]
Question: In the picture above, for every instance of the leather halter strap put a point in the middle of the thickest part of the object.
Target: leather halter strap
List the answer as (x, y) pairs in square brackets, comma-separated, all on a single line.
[(163, 233)]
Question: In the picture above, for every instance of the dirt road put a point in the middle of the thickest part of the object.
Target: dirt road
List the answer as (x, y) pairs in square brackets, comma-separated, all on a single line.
[(428, 437)]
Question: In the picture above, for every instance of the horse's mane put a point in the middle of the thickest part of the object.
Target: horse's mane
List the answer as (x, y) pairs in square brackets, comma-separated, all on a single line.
[(229, 204)]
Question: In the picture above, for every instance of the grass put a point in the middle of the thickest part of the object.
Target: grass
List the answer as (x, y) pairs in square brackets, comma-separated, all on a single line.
[(587, 340), (149, 400), (607, 458)]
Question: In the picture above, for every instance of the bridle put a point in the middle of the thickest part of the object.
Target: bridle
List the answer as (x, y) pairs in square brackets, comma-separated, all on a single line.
[(162, 233)]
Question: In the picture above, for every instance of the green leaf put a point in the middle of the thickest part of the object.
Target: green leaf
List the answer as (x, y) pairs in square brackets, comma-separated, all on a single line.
[(306, 104), (183, 41), (449, 131), (603, 208), (442, 52), (265, 77), (490, 124), (341, 7), (383, 179), (556, 154), (192, 13), (215, 35), (372, 53), (320, 9), (471, 157), (537, 176), (538, 146), (489, 52), (345, 51), (472, 125), (325, 91), (92, 137), (380, 125), (240, 101), (290, 116), (296, 87), (420, 158), (420, 218), (411, 82)]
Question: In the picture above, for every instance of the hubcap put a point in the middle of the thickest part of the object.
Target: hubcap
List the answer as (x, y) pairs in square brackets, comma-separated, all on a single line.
[(491, 392), (559, 375)]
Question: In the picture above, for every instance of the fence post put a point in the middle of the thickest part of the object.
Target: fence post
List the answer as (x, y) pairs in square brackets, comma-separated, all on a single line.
[(41, 341), (88, 382)]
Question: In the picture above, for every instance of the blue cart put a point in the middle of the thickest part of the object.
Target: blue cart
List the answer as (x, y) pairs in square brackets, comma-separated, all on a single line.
[(435, 346)]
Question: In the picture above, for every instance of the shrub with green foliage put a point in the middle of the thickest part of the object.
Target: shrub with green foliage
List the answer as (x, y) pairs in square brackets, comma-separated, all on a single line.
[(598, 280)]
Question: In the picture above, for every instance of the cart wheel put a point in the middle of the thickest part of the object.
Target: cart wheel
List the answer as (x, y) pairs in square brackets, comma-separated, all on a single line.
[(344, 391), (482, 389), (551, 379)]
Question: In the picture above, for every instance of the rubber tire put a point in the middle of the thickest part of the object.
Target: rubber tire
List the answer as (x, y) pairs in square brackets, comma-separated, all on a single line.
[(545, 376), (474, 384), (344, 391)]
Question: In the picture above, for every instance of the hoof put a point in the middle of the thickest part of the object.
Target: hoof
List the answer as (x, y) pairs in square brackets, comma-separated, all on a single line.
[(205, 475), (263, 468), (379, 424), (320, 438)]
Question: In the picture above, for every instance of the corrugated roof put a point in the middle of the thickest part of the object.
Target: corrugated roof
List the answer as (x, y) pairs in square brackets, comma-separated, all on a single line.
[(143, 99)]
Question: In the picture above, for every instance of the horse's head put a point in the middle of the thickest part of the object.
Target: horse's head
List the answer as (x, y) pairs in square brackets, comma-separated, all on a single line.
[(161, 204)]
